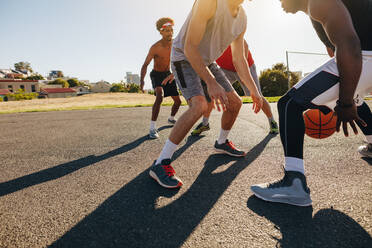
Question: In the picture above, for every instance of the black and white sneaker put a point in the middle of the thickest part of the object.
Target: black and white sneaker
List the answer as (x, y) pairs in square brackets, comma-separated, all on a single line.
[(172, 121), (229, 148), (164, 174), (292, 189), (153, 134), (366, 150)]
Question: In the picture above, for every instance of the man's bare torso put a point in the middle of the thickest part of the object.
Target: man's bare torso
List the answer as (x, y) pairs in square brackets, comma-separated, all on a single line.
[(162, 52)]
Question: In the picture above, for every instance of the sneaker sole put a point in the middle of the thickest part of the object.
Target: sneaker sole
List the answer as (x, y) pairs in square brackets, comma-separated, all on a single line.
[(365, 154), (155, 177), (153, 137), (228, 153), (285, 201), (197, 134)]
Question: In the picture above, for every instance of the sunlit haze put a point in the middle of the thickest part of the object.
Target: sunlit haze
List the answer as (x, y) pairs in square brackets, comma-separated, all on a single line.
[(96, 39)]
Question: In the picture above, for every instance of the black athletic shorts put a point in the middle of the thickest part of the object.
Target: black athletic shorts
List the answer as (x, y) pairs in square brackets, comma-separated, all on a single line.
[(157, 77)]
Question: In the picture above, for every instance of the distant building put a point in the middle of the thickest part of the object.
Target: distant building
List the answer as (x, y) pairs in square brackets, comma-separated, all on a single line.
[(55, 74), (133, 78), (100, 87), (13, 74), (58, 92), (13, 85), (4, 93), (82, 90)]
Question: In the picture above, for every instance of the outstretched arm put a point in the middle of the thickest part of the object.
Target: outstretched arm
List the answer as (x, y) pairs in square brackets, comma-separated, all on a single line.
[(239, 49), (340, 30), (203, 10), (148, 59)]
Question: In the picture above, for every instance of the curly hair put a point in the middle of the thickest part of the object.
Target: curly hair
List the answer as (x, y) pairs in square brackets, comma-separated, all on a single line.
[(162, 21)]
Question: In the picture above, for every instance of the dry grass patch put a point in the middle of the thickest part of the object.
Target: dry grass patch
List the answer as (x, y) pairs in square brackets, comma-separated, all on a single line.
[(91, 101)]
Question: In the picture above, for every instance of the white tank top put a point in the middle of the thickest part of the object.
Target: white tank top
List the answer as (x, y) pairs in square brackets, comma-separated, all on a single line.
[(222, 29)]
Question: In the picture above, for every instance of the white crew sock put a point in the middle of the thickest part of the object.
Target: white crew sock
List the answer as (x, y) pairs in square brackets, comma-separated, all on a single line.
[(205, 121), (294, 164), (152, 125), (171, 118), (223, 136), (167, 152)]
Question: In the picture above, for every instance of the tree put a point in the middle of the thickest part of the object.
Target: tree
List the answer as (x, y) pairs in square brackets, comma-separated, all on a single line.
[(35, 76), (60, 74), (23, 66), (117, 88), (274, 81), (60, 81), (133, 88), (73, 82)]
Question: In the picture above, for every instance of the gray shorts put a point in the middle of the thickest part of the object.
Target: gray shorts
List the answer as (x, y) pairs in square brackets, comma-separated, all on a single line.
[(233, 77), (191, 84)]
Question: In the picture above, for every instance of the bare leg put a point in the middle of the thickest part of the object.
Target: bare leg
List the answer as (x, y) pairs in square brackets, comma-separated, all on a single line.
[(267, 109), (197, 106), (232, 111), (176, 105), (209, 110), (157, 103)]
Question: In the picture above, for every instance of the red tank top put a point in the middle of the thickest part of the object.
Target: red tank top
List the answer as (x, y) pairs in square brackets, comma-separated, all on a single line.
[(225, 60)]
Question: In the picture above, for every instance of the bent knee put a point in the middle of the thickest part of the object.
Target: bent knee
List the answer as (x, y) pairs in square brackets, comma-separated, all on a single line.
[(199, 104), (235, 102)]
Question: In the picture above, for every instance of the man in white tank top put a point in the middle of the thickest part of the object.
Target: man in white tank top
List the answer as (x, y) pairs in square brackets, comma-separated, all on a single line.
[(210, 28)]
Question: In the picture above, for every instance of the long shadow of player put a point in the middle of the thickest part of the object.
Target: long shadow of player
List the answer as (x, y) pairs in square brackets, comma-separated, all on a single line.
[(368, 160), (327, 228), (131, 218), (66, 168)]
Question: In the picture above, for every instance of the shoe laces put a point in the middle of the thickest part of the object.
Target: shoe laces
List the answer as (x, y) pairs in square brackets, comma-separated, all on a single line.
[(229, 143), (273, 124), (280, 182), (169, 170)]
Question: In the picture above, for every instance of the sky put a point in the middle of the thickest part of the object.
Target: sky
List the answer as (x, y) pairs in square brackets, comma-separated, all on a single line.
[(103, 39)]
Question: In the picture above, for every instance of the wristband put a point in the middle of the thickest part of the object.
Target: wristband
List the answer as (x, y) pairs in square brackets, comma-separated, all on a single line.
[(343, 105)]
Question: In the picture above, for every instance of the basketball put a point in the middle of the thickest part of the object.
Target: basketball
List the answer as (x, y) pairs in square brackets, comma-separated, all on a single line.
[(319, 125)]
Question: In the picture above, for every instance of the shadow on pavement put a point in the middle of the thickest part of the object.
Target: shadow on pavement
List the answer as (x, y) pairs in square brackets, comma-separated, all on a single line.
[(368, 160), (66, 168), (327, 228), (131, 217)]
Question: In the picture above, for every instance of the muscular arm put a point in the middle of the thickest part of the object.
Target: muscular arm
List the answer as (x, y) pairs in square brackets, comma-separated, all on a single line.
[(239, 52), (323, 36), (148, 59), (203, 11), (239, 48), (340, 30)]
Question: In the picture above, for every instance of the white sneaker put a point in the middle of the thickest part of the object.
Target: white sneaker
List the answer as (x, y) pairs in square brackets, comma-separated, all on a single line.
[(365, 150), (153, 134), (292, 189)]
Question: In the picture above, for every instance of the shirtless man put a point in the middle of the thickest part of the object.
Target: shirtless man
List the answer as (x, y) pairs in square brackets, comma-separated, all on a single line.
[(209, 29), (161, 77), (339, 85)]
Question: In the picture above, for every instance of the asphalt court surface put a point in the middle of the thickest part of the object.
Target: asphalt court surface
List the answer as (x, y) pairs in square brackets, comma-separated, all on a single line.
[(80, 179)]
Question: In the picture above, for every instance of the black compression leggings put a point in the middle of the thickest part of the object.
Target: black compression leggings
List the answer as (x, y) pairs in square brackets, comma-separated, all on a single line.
[(292, 127), (364, 113)]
